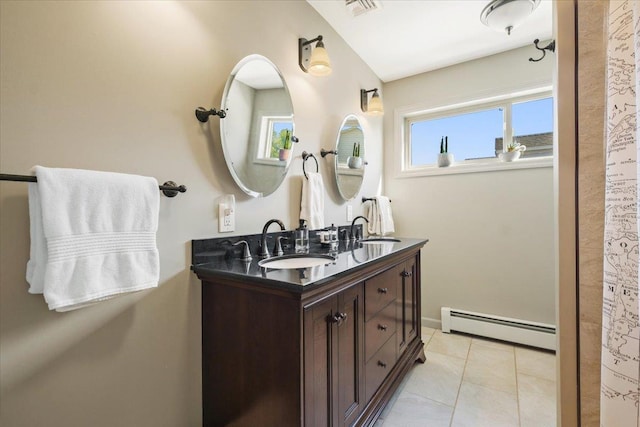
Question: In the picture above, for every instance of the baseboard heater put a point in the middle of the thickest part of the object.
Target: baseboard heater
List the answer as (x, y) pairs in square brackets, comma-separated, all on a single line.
[(535, 334)]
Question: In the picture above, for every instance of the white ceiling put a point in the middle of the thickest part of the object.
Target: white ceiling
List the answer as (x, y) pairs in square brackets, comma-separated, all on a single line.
[(407, 37)]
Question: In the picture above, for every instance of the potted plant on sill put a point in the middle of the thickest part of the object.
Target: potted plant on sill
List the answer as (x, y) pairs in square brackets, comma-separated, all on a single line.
[(513, 153), (283, 153), (444, 158), (355, 161)]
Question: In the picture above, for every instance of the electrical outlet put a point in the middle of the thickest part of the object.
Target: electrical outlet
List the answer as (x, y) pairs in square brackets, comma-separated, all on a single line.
[(349, 213), (226, 214)]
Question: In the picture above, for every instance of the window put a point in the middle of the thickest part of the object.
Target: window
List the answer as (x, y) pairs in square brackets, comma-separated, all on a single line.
[(476, 133), (532, 124), (272, 135), (469, 136)]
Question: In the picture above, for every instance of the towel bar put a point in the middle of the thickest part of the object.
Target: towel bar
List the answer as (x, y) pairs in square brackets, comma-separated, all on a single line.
[(366, 199), (169, 188), (305, 157)]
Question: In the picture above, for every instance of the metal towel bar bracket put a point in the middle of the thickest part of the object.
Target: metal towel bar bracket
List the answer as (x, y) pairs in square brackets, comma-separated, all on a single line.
[(324, 152), (169, 188)]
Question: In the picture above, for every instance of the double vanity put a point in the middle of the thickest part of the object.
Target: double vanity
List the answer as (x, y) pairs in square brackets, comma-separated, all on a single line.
[(325, 345), (305, 340)]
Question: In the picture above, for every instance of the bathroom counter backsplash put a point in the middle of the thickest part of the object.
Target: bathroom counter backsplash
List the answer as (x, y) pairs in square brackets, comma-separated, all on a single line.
[(218, 257)]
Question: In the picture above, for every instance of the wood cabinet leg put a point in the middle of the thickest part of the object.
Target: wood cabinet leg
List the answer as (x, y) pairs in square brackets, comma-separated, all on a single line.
[(421, 356)]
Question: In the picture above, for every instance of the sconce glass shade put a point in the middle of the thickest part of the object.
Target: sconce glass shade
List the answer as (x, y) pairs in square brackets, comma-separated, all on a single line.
[(504, 15), (375, 107), (319, 64), (314, 61)]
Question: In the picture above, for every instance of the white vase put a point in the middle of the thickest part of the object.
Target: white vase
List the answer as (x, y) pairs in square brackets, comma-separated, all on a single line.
[(354, 162), (445, 159), (509, 156)]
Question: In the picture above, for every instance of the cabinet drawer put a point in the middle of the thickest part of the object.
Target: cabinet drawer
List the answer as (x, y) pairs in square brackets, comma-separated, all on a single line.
[(379, 366), (378, 329), (380, 291)]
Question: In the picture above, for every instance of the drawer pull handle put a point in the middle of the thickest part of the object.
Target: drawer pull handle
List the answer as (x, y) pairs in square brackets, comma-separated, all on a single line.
[(382, 364), (382, 327), (383, 290), (406, 273)]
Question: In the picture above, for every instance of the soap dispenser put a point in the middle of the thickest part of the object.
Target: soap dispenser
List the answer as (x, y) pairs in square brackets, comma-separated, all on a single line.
[(302, 238), (333, 236)]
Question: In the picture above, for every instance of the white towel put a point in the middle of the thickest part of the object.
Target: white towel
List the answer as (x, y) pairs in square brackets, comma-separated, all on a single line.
[(93, 236), (380, 217), (312, 202)]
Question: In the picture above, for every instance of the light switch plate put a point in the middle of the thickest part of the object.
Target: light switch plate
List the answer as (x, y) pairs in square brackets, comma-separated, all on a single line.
[(349, 213)]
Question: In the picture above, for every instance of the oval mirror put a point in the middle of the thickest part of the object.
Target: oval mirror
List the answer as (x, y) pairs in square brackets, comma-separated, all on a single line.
[(350, 162), (257, 133)]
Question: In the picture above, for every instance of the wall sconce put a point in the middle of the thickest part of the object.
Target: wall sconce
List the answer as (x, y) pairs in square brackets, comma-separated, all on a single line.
[(313, 61), (373, 106), (504, 15)]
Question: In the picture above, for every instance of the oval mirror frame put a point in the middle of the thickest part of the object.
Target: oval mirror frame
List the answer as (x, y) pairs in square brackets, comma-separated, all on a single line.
[(258, 126), (349, 160)]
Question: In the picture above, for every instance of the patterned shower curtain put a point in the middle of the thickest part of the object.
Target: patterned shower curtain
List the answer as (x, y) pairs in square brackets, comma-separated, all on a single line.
[(620, 369)]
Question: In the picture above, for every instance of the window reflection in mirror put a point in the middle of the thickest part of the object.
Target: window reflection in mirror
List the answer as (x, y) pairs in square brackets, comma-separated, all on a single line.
[(275, 138)]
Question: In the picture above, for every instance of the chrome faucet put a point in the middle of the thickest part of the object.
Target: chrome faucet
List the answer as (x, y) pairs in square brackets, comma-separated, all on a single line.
[(353, 223), (264, 251)]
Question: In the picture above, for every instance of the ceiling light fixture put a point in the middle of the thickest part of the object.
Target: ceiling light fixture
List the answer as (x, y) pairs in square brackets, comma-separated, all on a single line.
[(313, 61), (373, 106), (505, 15)]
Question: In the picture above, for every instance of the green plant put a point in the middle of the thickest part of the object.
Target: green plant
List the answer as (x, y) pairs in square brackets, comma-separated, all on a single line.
[(356, 149), (286, 139), (444, 145), (515, 146)]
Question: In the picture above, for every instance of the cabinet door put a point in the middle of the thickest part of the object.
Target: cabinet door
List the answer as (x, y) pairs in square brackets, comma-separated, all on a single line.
[(407, 302), (334, 360), (320, 342), (350, 356)]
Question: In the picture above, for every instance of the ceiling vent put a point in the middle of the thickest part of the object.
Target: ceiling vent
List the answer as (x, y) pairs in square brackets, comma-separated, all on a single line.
[(358, 7)]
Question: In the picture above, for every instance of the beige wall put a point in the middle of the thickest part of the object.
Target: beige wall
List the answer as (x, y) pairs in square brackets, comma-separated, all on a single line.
[(113, 86), (592, 72), (491, 235)]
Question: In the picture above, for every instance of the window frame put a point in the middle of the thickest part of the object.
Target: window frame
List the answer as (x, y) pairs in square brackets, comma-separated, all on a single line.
[(404, 118)]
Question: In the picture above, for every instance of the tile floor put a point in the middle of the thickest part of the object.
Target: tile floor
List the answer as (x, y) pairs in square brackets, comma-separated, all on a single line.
[(470, 381)]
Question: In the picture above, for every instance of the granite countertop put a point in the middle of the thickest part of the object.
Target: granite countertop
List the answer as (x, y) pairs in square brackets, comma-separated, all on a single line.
[(348, 256)]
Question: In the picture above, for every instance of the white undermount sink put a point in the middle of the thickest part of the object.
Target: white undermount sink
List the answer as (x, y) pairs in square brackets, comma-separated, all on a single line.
[(296, 261), (379, 240)]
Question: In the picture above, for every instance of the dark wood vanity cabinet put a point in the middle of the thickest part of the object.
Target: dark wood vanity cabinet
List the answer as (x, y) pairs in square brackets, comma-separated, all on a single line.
[(330, 355)]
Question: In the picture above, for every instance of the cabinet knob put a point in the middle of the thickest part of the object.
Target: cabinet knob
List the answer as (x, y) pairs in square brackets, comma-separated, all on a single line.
[(382, 364), (337, 318), (406, 273), (383, 290), (382, 327)]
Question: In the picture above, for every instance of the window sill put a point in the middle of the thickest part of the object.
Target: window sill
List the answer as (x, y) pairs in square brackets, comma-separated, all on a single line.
[(469, 166), (271, 162)]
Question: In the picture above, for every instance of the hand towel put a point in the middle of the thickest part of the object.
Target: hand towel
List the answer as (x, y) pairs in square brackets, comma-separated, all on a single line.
[(312, 202), (380, 217), (93, 236)]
